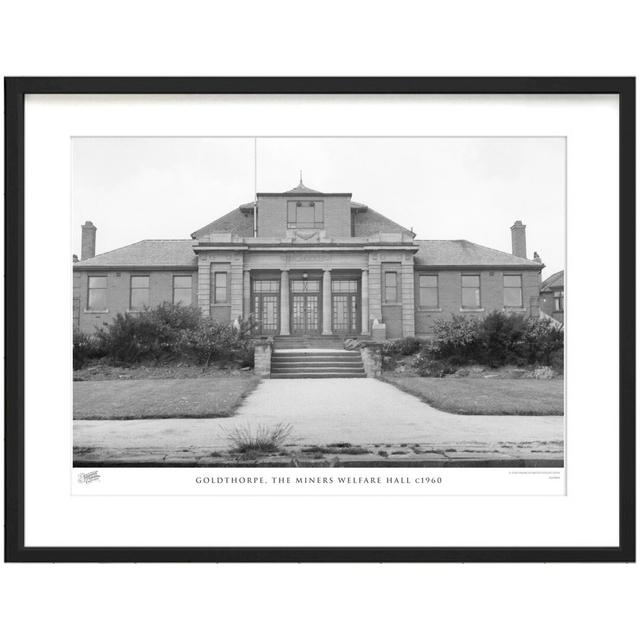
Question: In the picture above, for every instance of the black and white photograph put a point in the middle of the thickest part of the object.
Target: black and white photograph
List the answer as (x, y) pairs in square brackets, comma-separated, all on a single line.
[(364, 324), (320, 320), (319, 302)]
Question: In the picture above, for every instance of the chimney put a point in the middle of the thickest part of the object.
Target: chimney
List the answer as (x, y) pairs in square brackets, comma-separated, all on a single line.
[(519, 239), (88, 241)]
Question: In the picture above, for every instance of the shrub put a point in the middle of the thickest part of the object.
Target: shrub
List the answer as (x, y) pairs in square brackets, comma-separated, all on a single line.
[(456, 337), (213, 341), (545, 343), (85, 347), (393, 349), (176, 317), (403, 346), (495, 340), (427, 367), (501, 339), (175, 332), (557, 361)]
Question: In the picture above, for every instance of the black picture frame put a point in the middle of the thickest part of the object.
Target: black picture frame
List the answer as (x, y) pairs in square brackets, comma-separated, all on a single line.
[(15, 91)]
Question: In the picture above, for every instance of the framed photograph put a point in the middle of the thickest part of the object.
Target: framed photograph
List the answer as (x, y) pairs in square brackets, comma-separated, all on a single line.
[(320, 319)]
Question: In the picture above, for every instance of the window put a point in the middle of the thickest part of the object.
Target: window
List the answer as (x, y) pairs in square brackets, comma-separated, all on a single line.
[(428, 291), (470, 292), (182, 290), (558, 299), (305, 214), (97, 298), (390, 286), (344, 286), (220, 287), (305, 286), (139, 293), (512, 291), (266, 286)]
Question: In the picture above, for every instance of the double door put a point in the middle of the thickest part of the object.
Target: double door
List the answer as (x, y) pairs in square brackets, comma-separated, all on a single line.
[(266, 306), (345, 307), (305, 307)]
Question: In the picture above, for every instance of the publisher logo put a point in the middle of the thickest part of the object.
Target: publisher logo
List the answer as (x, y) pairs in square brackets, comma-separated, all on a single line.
[(87, 478)]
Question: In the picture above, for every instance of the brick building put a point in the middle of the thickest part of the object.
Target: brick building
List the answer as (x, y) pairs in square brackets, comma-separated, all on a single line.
[(307, 263), (552, 296)]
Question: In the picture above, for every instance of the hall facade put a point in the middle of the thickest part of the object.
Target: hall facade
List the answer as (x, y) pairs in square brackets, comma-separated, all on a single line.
[(308, 263)]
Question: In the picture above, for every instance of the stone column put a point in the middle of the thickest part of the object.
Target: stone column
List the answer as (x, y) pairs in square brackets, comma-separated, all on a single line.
[(364, 287), (246, 294), (326, 302), (204, 285), (375, 288), (284, 302), (407, 297)]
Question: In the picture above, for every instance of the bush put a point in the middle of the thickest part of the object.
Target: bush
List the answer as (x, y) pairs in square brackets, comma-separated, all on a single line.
[(403, 346), (427, 367), (175, 332), (497, 339), (545, 343), (213, 341), (557, 361), (458, 336), (501, 339), (85, 347)]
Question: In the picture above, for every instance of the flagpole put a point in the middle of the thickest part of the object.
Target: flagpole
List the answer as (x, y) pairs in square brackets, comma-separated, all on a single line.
[(255, 187)]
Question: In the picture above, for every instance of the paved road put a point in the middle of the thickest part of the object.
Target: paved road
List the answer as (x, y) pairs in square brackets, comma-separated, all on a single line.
[(359, 411)]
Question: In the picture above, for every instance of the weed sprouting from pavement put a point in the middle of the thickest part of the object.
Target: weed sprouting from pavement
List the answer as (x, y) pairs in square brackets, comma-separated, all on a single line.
[(261, 439)]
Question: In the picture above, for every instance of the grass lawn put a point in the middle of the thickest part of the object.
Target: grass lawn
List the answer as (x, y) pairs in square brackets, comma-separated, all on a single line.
[(183, 398), (482, 396)]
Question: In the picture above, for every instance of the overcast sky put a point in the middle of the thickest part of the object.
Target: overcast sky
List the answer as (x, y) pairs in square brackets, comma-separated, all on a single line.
[(445, 188)]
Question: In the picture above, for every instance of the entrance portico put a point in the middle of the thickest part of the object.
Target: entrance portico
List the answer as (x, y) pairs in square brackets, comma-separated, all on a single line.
[(309, 302)]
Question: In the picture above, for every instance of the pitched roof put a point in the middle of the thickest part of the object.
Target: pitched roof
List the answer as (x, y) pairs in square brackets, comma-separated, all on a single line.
[(239, 221), (556, 280), (366, 222), (301, 188), (462, 253), (146, 253)]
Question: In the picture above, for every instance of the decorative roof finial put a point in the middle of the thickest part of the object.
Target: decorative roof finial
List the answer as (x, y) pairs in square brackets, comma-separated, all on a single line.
[(300, 177)]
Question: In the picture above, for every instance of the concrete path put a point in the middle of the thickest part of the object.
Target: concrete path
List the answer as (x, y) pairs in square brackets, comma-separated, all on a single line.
[(358, 411)]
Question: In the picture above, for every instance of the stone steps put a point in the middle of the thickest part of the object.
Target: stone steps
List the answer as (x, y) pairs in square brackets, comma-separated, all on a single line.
[(317, 364), (308, 342), (331, 374)]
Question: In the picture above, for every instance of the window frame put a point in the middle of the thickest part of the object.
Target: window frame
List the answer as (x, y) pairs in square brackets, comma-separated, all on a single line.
[(385, 300), (421, 305), (558, 301), (214, 288), (173, 287), (131, 288), (318, 222), (104, 309), (521, 288), (478, 307)]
